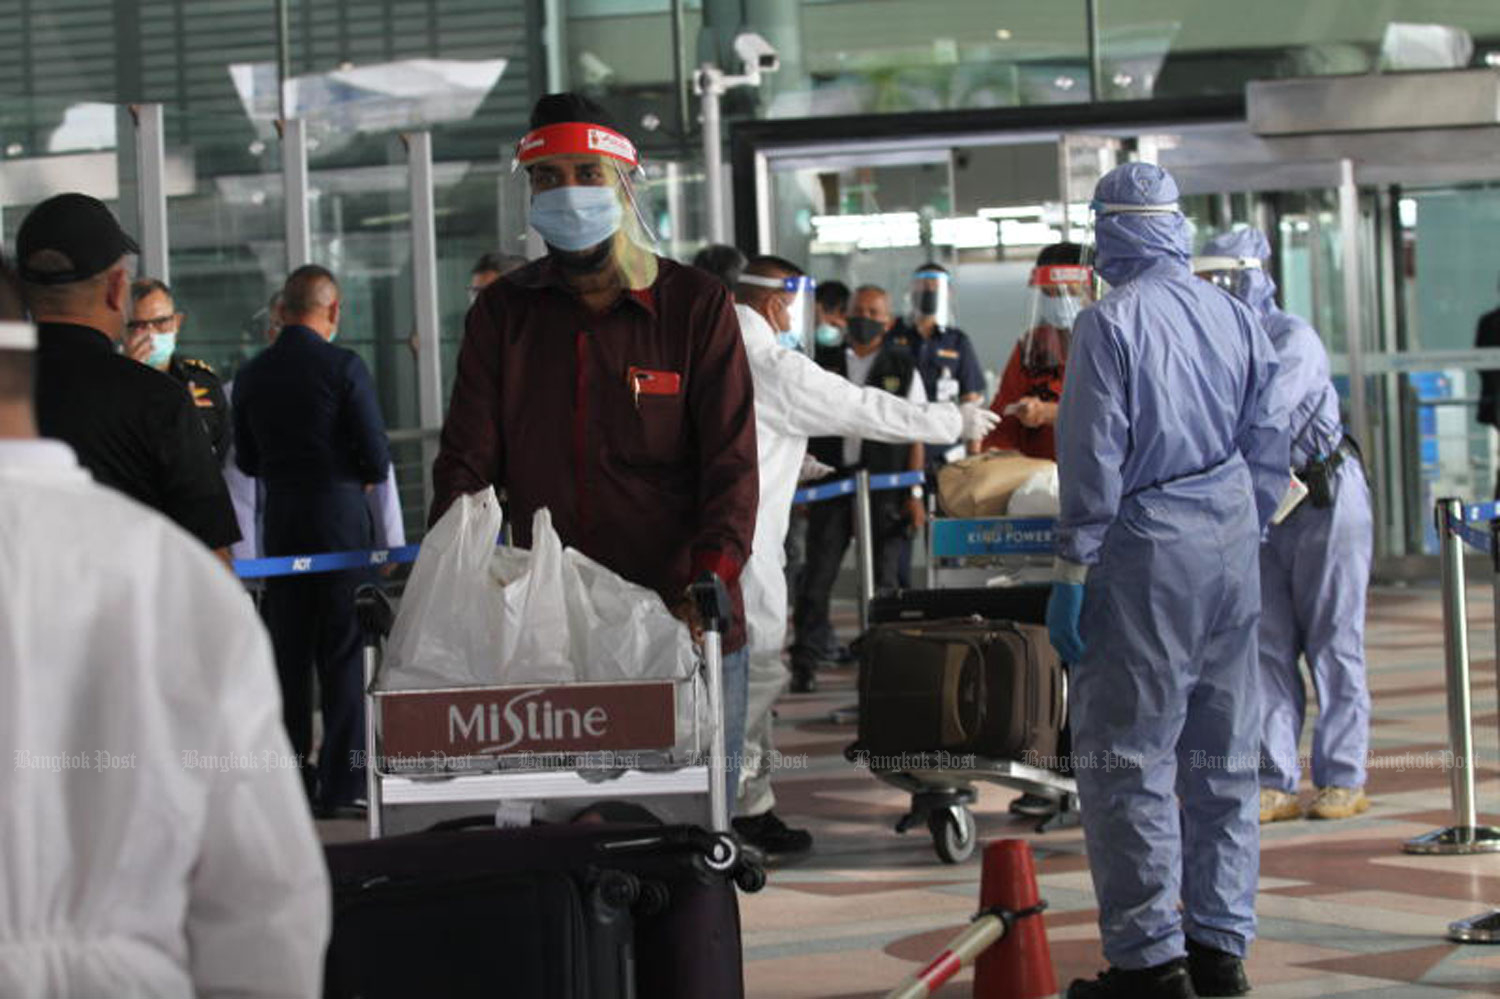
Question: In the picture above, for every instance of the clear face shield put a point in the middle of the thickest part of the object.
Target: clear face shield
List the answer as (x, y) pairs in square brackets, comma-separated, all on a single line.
[(578, 182), (1058, 293), (1230, 273), (793, 315), (930, 297)]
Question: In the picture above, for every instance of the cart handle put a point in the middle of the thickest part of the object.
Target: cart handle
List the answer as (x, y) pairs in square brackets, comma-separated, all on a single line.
[(711, 597)]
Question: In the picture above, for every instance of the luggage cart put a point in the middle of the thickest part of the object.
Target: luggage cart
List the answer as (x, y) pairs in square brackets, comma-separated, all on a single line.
[(975, 553), (413, 759)]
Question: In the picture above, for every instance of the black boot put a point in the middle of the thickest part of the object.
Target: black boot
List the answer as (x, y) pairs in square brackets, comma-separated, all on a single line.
[(1162, 981), (769, 834), (1215, 972), (804, 678)]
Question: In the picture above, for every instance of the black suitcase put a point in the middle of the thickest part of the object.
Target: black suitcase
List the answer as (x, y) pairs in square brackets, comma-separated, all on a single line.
[(548, 912), (1024, 604), (965, 686)]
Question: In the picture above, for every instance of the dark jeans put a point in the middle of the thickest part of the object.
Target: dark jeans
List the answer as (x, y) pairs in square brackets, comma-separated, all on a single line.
[(830, 527)]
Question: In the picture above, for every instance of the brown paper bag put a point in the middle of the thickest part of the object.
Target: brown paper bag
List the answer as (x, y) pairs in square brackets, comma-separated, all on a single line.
[(981, 486)]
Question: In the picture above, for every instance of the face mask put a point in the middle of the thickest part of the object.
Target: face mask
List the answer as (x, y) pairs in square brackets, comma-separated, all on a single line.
[(576, 218), (162, 347), (829, 335), (789, 340), (927, 302), (863, 330)]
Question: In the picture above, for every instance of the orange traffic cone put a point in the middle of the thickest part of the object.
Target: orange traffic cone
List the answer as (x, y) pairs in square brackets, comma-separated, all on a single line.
[(1019, 965)]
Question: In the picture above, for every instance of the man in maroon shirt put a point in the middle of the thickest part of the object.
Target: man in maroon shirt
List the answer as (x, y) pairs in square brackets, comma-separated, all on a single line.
[(610, 386)]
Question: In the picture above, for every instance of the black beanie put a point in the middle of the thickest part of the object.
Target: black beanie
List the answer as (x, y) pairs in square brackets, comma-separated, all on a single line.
[(554, 109)]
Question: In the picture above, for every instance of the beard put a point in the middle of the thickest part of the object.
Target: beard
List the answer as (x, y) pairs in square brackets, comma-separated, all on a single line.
[(590, 261)]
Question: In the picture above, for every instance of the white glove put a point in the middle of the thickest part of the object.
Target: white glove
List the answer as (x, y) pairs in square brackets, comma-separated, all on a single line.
[(978, 421), (813, 469)]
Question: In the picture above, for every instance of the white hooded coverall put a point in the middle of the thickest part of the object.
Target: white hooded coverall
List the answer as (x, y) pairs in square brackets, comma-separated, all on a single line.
[(154, 836), (796, 399)]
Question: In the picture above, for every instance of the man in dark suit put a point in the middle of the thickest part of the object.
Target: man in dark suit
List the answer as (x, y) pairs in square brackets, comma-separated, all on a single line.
[(1488, 335), (306, 421)]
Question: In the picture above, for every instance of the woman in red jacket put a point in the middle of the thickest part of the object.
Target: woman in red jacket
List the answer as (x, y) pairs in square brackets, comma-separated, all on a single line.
[(1026, 400)]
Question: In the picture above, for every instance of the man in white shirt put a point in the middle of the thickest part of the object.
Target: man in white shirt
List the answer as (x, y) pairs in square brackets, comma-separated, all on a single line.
[(795, 398), (154, 838)]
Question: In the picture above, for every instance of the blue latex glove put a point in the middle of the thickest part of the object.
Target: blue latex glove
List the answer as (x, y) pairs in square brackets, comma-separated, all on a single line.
[(1064, 608)]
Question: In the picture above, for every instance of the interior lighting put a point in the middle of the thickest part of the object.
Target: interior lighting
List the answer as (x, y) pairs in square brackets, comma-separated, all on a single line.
[(1003, 34), (965, 233), (887, 230)]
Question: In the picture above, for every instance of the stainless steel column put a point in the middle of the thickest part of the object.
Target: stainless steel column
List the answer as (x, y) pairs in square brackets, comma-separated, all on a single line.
[(425, 300), (713, 164), (1351, 267), (1465, 835), (151, 189), (298, 188)]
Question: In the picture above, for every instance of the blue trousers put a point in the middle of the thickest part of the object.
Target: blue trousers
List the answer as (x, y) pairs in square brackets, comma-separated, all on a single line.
[(1165, 722), (1314, 574)]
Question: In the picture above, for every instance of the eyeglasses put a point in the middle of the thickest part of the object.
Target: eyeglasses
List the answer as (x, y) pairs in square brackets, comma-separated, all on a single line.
[(156, 324)]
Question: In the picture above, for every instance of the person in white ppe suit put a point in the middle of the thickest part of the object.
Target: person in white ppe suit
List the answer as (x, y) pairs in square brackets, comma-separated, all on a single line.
[(154, 837), (796, 399)]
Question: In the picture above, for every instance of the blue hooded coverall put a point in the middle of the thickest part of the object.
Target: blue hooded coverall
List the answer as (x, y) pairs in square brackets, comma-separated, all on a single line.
[(1173, 455), (1315, 565)]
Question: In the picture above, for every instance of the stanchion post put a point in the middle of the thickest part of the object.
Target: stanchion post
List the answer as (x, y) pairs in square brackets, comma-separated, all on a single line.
[(1465, 835), (1485, 927), (864, 547)]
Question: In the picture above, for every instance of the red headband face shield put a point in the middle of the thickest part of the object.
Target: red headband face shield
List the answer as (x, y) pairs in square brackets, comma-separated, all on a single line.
[(578, 182), (1058, 294)]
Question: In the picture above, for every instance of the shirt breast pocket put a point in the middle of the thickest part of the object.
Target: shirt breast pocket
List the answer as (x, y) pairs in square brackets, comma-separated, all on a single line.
[(654, 432)]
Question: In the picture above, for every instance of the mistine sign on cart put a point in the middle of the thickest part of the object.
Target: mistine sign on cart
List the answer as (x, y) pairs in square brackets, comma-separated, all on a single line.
[(492, 721)]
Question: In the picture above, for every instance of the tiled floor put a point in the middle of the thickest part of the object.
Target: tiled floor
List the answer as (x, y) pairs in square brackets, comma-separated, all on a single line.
[(1343, 912)]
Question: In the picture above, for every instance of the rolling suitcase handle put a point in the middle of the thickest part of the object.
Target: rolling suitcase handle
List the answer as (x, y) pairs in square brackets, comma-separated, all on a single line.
[(373, 609)]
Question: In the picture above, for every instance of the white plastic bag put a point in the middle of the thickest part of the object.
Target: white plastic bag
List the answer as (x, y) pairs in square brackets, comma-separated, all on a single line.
[(1037, 497), (474, 614), (447, 611), (534, 633)]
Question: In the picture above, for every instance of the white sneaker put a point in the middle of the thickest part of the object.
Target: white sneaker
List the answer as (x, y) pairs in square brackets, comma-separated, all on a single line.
[(1336, 803), (1278, 806)]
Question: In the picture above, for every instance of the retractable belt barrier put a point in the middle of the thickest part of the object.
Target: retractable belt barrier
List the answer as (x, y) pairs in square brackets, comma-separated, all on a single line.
[(1456, 527), (303, 565)]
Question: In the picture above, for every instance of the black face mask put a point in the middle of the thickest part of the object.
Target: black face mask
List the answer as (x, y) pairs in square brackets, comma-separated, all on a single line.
[(583, 261), (863, 330), (927, 302)]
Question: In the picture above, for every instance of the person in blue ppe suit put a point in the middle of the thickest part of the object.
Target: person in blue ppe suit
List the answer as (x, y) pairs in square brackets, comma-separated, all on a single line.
[(1314, 567), (1172, 457)]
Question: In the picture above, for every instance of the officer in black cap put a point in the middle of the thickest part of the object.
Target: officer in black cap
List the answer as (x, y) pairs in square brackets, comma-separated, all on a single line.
[(152, 339), (133, 428)]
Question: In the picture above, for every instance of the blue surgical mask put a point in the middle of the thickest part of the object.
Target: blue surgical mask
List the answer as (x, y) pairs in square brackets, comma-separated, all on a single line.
[(162, 347), (828, 335), (576, 218), (790, 340)]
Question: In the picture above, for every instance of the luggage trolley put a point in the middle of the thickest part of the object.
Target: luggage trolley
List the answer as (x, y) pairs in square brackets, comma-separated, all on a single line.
[(1004, 554), (581, 742)]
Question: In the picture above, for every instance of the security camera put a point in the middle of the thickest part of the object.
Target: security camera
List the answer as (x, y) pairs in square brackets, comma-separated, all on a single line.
[(758, 55)]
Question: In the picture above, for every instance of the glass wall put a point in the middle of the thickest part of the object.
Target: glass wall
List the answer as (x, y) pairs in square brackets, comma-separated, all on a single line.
[(1184, 48), (226, 251)]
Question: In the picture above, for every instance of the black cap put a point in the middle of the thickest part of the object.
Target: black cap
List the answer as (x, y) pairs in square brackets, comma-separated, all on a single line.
[(554, 109), (78, 227), (1059, 254)]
